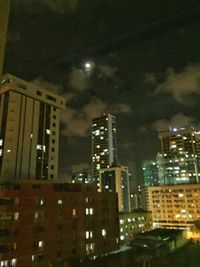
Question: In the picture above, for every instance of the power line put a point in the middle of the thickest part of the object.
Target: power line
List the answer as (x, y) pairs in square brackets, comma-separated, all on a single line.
[(182, 18)]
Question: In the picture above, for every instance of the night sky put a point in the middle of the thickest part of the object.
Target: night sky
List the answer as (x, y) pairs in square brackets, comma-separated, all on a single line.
[(145, 68)]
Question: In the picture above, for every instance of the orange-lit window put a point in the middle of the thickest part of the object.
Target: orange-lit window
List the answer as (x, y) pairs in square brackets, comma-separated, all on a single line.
[(74, 212)]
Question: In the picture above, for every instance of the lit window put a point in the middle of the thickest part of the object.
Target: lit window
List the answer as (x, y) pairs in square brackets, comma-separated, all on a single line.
[(87, 234), (16, 216), (1, 142), (41, 201), (86, 200), (73, 212), (13, 262), (8, 150), (103, 232), (86, 211), (48, 131), (1, 152), (60, 202), (91, 211), (4, 263), (40, 244), (36, 215), (122, 237)]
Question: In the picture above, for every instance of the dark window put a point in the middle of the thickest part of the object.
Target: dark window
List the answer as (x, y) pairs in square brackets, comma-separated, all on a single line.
[(39, 93), (36, 186), (53, 149), (54, 124), (53, 141), (52, 167), (49, 97)]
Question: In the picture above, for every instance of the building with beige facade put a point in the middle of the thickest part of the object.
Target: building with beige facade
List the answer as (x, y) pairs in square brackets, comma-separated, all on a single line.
[(116, 179), (29, 130), (4, 14), (174, 206)]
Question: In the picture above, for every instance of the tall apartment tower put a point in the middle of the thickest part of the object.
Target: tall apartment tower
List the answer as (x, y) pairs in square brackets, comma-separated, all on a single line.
[(180, 156), (116, 179), (104, 144), (29, 131), (4, 14)]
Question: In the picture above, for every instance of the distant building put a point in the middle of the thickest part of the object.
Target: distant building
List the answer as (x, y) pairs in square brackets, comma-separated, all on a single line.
[(116, 179), (29, 131), (174, 206), (104, 144), (133, 223), (47, 224), (150, 173), (81, 177), (4, 14), (181, 156)]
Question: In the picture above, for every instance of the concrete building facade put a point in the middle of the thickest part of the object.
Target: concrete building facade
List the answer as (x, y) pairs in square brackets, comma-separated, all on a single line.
[(116, 179), (29, 131), (47, 224), (104, 144)]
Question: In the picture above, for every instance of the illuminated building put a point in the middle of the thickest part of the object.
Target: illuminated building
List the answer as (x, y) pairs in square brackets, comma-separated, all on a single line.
[(104, 144), (4, 14), (81, 177), (150, 173), (29, 131), (116, 179), (47, 224), (174, 205), (130, 224), (181, 156)]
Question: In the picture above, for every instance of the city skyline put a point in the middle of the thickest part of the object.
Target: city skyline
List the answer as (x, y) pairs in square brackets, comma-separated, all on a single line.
[(121, 82)]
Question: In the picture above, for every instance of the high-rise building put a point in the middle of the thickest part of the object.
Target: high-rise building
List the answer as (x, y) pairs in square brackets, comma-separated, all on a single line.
[(116, 179), (104, 144), (150, 173), (81, 177), (29, 131), (181, 156), (4, 14)]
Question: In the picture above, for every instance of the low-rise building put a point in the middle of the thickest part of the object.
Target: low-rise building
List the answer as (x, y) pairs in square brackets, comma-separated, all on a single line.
[(159, 240), (47, 223), (133, 223), (174, 206)]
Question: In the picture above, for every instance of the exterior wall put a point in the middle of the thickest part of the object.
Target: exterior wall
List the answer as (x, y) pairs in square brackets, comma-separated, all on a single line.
[(4, 14), (181, 156), (116, 179), (133, 223), (175, 206), (104, 144), (45, 224), (150, 173), (29, 135)]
